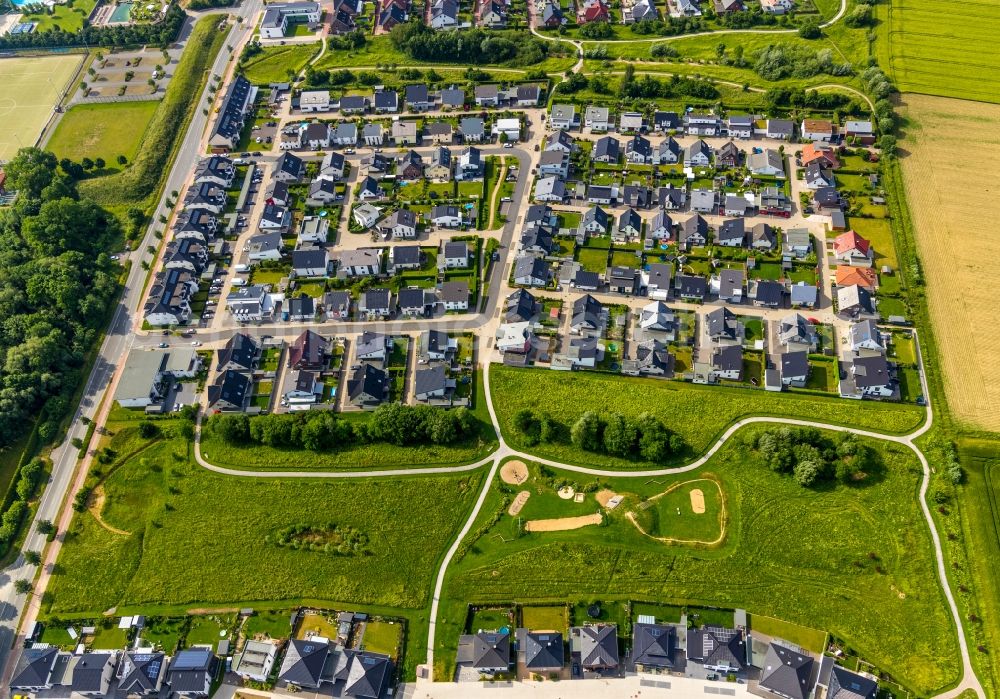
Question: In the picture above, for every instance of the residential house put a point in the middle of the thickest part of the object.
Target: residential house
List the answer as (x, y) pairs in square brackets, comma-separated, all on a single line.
[(142, 672), (821, 153), (250, 303), (661, 227), (311, 262), (599, 194), (418, 97), (854, 250), (593, 11), (563, 116), (452, 98), (472, 129), (776, 7), (385, 101), (727, 362), (786, 672), (366, 215), (373, 134), (411, 167), (638, 150), (323, 192), (391, 16), (300, 308), (306, 390), (34, 669), (230, 392), (865, 277), (803, 295), (550, 188), (690, 288), (437, 346), (669, 152), (375, 304), (657, 280), (278, 16), (440, 132), (766, 163), (228, 127), (794, 367), (766, 292), (527, 95), (315, 136), (240, 353), (304, 663), (371, 347), (520, 306), (404, 133), (444, 14), (538, 240), (597, 118), (582, 352), (192, 671), (725, 7), (794, 330), (854, 302), (718, 649), (606, 150), (551, 15), (487, 95), (637, 196), (588, 316), (554, 163), (432, 383), (543, 651), (364, 262), (693, 232), (205, 196), (656, 317), (781, 129), (92, 674), (585, 280), (531, 271), (560, 141), (332, 166), (446, 216), (641, 11), (439, 168), (265, 247), (403, 257), (865, 335), (370, 189), (277, 193), (828, 201), (623, 280), (728, 285), (731, 233), (736, 205), (631, 122), (595, 220), (740, 126), (368, 386), (762, 237), (514, 337), (728, 156), (414, 302), (702, 124), (654, 647), (629, 225), (841, 683), (796, 243), (816, 176), (487, 652), (455, 296), (722, 326), (470, 165), (861, 131), (698, 154), (704, 201), (216, 170), (817, 130), (671, 198), (455, 254), (771, 201), (508, 129), (345, 134)]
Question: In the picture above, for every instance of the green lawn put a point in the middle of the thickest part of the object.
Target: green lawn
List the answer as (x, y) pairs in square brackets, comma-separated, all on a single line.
[(810, 639), (697, 413), (383, 637), (68, 18), (593, 260), (270, 624), (879, 233), (670, 515), (856, 561), (102, 131), (208, 630), (544, 618), (274, 62)]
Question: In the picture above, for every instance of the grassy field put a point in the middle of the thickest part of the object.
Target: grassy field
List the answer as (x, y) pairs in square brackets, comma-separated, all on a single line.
[(274, 62), (950, 55), (854, 561), (102, 131), (671, 515), (183, 549), (68, 17), (961, 307), (31, 88), (810, 639), (697, 413)]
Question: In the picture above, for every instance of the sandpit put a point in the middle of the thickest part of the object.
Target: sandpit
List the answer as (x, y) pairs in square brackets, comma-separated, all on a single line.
[(604, 498), (697, 502), (514, 472), (567, 492), (562, 524), (518, 504)]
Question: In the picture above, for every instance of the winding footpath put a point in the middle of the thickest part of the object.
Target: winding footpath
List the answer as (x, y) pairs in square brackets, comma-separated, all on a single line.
[(969, 680)]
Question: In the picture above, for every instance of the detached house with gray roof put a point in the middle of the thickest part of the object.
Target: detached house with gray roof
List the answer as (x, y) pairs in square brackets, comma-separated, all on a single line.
[(594, 647), (787, 672), (304, 663), (541, 651), (485, 651), (718, 649), (654, 646)]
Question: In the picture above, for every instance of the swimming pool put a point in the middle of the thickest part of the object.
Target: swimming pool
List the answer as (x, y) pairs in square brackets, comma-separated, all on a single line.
[(121, 14)]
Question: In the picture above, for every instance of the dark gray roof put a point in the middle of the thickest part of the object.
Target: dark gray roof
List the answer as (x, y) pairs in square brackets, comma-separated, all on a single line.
[(416, 93), (795, 364), (375, 299), (586, 279), (304, 661), (34, 667), (368, 675), (303, 259), (406, 254), (691, 286), (660, 274), (696, 225), (730, 281), (140, 671), (490, 649), (386, 99), (543, 650), (871, 370), (452, 97), (240, 350), (301, 306), (538, 237), (530, 266), (520, 306), (370, 342), (587, 310), (728, 358), (471, 126), (722, 323), (455, 291), (353, 102), (435, 341), (714, 645), (597, 215), (290, 164), (607, 146), (191, 669), (430, 379), (630, 217), (787, 672), (845, 684), (654, 645), (732, 229), (769, 292), (231, 387), (411, 297), (89, 671), (598, 645)]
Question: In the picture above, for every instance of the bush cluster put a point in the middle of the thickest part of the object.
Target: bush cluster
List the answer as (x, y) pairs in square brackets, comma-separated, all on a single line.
[(780, 61), (472, 47), (157, 34), (615, 434), (813, 458)]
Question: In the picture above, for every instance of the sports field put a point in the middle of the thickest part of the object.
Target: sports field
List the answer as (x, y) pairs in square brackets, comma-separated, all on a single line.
[(950, 54), (953, 214), (31, 87), (102, 131)]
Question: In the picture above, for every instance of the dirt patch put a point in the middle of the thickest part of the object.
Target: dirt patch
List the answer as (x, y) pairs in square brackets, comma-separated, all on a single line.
[(567, 492), (697, 501), (514, 472), (562, 524), (603, 496), (96, 505), (515, 507)]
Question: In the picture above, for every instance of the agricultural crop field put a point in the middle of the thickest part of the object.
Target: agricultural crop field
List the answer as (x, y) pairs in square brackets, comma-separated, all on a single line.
[(171, 533), (951, 54), (699, 414), (102, 131), (31, 88), (856, 561), (939, 186)]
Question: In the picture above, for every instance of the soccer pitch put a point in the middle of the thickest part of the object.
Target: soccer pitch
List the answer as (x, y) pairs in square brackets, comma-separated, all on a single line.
[(31, 87)]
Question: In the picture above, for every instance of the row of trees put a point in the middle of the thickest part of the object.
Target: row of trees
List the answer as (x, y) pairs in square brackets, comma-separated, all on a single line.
[(473, 47), (27, 482), (402, 425), (617, 435), (814, 458), (160, 33), (646, 87), (58, 281)]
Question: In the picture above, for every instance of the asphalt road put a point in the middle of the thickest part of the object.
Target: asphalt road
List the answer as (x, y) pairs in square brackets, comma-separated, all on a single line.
[(116, 345)]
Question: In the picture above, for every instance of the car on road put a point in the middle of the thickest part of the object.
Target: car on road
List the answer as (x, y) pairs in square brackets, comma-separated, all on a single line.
[(195, 343), (164, 344)]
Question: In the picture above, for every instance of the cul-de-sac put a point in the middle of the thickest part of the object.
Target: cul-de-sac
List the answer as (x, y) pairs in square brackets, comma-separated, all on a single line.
[(499, 348)]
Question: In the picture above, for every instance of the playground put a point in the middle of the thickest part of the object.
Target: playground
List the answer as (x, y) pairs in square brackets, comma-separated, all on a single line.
[(32, 87)]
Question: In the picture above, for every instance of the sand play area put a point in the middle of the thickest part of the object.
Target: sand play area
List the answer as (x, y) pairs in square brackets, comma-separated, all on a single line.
[(698, 501), (514, 472), (515, 507), (562, 524)]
